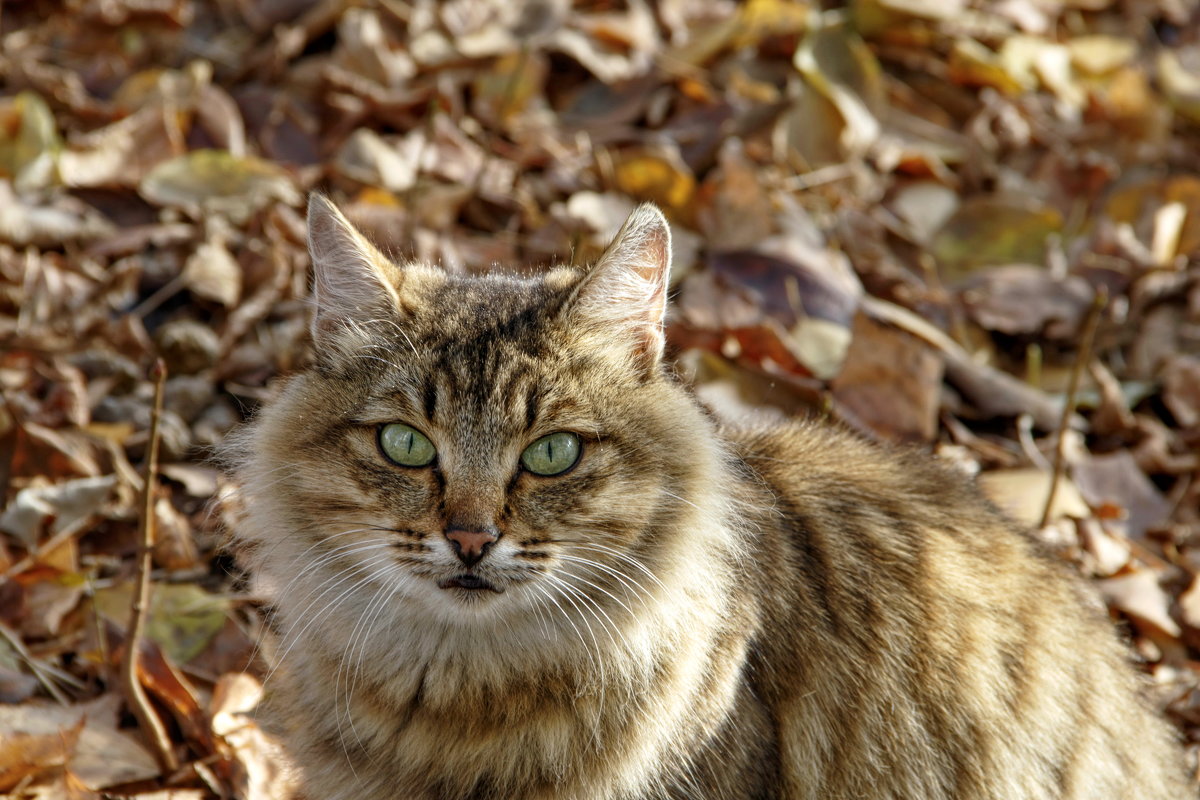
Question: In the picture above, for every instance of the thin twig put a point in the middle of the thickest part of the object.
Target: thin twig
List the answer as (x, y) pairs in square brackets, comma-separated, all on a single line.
[(146, 716), (1085, 355), (47, 674)]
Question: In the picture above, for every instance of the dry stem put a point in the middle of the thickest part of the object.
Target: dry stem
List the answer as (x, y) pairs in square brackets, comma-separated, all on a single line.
[(146, 716), (1085, 355)]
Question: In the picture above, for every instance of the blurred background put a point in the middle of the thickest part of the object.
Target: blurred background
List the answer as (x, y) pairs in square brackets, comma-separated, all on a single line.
[(921, 219)]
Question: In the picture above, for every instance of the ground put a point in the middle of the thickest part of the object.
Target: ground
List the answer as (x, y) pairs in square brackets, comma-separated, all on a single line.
[(924, 219)]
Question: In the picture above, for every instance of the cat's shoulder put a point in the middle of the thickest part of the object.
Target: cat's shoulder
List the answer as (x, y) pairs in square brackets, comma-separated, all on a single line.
[(815, 461)]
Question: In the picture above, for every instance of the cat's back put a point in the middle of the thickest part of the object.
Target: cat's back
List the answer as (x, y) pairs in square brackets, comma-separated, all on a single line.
[(915, 643)]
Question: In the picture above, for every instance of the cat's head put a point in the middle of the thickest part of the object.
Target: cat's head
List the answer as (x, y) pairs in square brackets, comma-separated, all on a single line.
[(481, 445)]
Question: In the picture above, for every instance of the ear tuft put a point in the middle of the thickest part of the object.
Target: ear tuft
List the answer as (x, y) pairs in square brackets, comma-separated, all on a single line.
[(352, 280), (627, 288)]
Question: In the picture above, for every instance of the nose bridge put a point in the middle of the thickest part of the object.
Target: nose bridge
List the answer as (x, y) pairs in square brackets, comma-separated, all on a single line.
[(473, 493), (475, 471), (472, 504)]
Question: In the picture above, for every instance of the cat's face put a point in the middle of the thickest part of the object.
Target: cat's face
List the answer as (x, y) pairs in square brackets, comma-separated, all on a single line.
[(481, 446)]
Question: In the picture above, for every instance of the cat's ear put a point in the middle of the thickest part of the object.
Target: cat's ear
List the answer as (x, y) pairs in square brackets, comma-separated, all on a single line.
[(352, 281), (626, 290)]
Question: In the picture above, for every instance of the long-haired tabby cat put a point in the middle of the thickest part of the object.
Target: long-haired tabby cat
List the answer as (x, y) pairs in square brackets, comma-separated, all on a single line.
[(515, 558)]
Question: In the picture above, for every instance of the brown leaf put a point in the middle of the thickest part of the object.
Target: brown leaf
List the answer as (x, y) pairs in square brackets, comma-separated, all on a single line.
[(1116, 480), (101, 756), (891, 381), (29, 222), (24, 755), (1022, 299), (165, 682), (776, 310), (66, 504), (837, 64), (1181, 389), (732, 206)]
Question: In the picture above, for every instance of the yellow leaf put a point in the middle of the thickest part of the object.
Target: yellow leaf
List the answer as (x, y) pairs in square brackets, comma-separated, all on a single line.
[(661, 178)]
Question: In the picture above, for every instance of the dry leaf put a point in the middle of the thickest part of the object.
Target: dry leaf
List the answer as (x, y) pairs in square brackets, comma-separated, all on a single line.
[(65, 505), (891, 381), (267, 774), (1023, 299), (28, 142), (1141, 597), (994, 230), (102, 755), (1022, 493), (1181, 389), (25, 756), (212, 273), (1117, 480), (215, 182)]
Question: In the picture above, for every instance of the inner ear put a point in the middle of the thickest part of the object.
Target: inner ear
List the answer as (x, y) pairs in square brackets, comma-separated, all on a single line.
[(352, 281), (625, 293)]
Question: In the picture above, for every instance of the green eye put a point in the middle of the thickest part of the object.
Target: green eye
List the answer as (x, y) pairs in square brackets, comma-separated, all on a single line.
[(406, 445), (552, 454)]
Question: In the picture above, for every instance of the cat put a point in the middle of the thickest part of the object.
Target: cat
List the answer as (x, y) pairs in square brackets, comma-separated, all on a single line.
[(514, 557)]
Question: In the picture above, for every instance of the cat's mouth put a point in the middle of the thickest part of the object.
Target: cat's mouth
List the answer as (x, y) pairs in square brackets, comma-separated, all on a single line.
[(469, 582)]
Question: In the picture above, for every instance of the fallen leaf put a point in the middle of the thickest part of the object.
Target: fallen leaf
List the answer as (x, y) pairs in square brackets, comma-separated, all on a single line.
[(972, 64), (1180, 81), (65, 505), (1023, 492), (266, 772), (212, 273), (24, 756), (1181, 389), (29, 221), (732, 205), (1117, 480), (1101, 54), (514, 83), (1189, 604), (1021, 299), (28, 142), (216, 182), (659, 176), (990, 230), (1110, 553), (1141, 597), (839, 65), (891, 381), (183, 618), (370, 159), (102, 755), (925, 206)]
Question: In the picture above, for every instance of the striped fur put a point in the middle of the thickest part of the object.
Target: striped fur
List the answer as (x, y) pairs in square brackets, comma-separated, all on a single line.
[(695, 610)]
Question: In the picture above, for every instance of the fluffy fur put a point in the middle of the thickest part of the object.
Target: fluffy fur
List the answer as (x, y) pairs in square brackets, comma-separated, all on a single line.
[(695, 610)]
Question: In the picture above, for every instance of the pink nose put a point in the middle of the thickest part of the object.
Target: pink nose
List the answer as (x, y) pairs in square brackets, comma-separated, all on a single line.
[(470, 546)]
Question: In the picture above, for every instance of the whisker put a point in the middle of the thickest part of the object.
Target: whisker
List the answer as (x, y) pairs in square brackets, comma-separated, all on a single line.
[(292, 637), (633, 562), (640, 592)]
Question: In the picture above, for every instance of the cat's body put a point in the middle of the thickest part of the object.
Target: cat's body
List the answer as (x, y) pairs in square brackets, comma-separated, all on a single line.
[(690, 610)]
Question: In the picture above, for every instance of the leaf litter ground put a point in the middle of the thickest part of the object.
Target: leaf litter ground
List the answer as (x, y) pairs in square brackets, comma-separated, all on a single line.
[(897, 213)]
